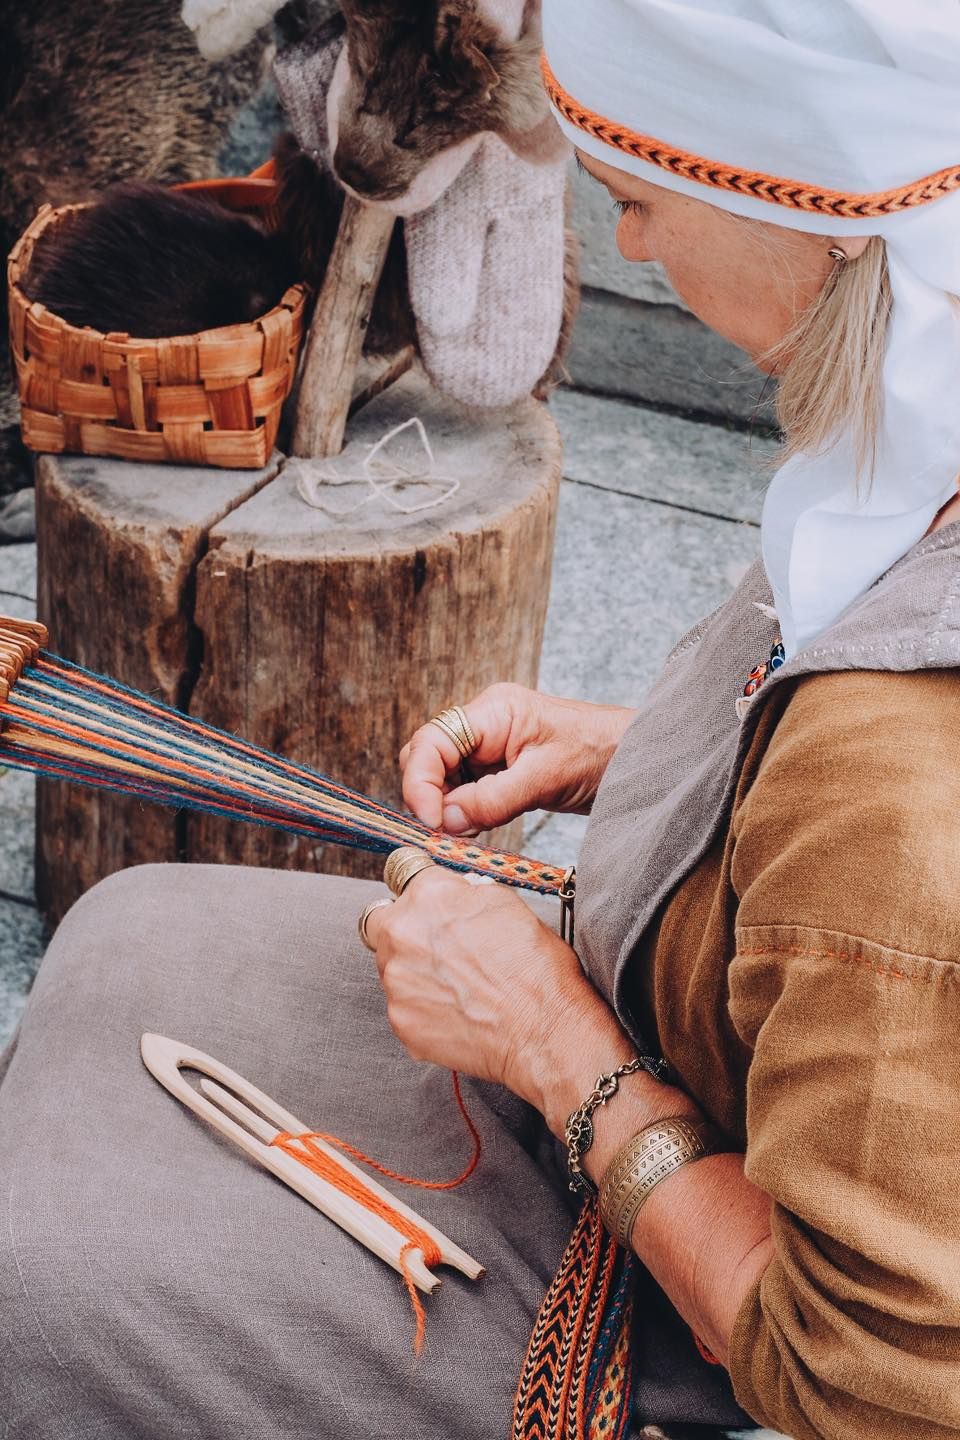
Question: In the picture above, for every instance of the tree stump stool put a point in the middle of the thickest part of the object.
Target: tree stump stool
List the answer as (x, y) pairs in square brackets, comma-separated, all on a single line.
[(329, 639)]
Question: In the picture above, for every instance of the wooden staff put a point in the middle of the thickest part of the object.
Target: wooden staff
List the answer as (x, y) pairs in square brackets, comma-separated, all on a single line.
[(340, 321)]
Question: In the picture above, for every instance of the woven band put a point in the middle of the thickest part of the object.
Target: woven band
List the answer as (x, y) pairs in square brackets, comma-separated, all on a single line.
[(637, 1169), (794, 194)]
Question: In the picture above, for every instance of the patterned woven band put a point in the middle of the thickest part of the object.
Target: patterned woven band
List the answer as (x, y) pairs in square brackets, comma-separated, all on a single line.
[(637, 1169), (793, 194)]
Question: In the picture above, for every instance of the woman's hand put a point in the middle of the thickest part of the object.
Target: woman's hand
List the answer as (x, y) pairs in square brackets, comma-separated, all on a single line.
[(476, 982), (533, 752)]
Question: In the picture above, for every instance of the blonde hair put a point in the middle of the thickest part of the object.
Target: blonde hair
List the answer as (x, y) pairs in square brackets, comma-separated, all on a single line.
[(830, 364)]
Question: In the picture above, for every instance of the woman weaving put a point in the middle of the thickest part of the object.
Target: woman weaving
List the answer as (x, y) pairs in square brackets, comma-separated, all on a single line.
[(767, 893)]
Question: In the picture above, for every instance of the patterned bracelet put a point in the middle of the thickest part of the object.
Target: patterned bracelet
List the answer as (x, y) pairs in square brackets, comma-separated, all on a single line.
[(578, 1131), (637, 1169)]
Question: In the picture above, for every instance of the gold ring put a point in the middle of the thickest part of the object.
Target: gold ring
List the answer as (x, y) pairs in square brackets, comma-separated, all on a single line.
[(402, 865), (454, 723), (365, 914)]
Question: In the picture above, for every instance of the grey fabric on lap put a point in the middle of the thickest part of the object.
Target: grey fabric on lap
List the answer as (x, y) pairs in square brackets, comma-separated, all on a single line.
[(155, 1283)]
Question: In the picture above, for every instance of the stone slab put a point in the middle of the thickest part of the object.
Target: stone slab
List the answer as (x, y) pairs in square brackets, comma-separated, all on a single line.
[(664, 356), (18, 517), (18, 577), (630, 578), (616, 445), (16, 834), (22, 943), (554, 839), (17, 788)]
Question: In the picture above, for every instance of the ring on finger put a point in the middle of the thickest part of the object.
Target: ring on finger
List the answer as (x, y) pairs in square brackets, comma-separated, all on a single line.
[(455, 725), (402, 865), (365, 914)]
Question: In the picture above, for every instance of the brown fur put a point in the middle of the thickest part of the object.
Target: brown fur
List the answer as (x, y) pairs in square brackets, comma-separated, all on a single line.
[(424, 77), (103, 90), (154, 262)]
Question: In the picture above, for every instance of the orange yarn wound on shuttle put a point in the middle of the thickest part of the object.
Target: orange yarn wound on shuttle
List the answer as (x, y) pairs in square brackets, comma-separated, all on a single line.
[(793, 194), (304, 1148)]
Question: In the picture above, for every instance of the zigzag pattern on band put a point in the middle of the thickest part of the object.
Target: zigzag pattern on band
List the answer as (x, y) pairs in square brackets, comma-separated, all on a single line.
[(792, 194), (576, 1380)]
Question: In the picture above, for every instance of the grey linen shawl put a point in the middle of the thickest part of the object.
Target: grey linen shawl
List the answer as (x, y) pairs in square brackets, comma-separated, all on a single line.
[(670, 786)]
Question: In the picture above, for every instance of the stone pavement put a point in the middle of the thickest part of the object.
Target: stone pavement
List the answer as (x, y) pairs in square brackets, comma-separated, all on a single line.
[(658, 519)]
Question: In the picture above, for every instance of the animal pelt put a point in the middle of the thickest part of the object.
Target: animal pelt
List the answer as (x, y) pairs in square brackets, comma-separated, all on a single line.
[(155, 262), (420, 79), (98, 91), (95, 91)]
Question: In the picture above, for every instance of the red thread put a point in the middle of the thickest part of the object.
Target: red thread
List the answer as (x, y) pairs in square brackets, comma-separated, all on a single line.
[(707, 1355), (802, 954), (305, 1149)]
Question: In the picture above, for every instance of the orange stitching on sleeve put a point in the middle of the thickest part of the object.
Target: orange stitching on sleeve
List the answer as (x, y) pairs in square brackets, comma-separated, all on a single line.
[(848, 959), (793, 194)]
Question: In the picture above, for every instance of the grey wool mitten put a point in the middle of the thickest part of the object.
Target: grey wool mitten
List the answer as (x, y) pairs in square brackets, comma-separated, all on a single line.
[(303, 75), (486, 272)]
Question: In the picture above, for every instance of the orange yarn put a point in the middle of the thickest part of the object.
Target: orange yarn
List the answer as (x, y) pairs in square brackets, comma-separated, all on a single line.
[(305, 1149), (793, 194)]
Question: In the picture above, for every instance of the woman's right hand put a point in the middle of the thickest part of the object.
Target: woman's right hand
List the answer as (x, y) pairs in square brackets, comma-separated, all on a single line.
[(533, 752)]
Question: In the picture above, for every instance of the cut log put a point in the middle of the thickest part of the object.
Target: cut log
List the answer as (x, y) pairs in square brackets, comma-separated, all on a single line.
[(327, 639), (118, 546), (331, 639)]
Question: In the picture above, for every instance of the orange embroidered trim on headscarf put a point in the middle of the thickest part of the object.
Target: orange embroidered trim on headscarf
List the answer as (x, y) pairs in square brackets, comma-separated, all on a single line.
[(791, 193)]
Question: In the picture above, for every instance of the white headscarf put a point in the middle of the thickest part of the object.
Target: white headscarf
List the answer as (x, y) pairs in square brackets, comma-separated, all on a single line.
[(823, 116)]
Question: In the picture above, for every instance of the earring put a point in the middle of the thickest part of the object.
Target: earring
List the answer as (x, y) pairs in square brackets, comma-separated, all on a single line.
[(840, 256)]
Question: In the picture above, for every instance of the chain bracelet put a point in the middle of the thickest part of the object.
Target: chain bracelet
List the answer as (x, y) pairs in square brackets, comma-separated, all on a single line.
[(578, 1131)]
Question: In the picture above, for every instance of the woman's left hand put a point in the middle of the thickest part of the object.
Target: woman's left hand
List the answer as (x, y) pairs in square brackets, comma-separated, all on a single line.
[(476, 982)]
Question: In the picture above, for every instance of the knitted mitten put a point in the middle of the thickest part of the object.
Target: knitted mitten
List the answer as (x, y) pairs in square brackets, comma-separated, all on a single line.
[(303, 75), (486, 274)]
